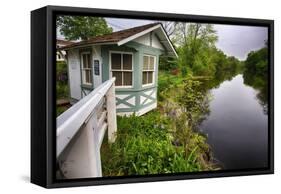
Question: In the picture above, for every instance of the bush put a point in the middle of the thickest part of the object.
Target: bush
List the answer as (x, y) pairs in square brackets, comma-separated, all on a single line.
[(144, 146), (61, 80)]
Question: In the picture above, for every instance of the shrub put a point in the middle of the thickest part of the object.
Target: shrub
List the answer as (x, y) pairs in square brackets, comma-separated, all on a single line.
[(144, 146)]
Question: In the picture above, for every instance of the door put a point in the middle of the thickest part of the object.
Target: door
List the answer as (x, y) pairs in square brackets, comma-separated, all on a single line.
[(97, 73)]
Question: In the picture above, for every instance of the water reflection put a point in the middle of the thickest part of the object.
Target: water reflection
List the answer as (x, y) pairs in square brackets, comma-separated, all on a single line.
[(236, 126), (260, 83)]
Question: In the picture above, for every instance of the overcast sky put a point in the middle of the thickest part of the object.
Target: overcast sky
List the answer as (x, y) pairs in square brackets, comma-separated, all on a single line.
[(233, 40)]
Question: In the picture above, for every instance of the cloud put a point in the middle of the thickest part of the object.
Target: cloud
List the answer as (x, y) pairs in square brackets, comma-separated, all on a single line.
[(238, 41)]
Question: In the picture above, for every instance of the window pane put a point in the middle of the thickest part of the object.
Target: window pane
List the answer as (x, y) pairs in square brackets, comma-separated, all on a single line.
[(89, 60), (84, 58), (145, 62), (144, 77), (90, 76), (151, 63), (115, 61), (87, 76), (118, 75), (149, 77), (127, 76), (127, 61)]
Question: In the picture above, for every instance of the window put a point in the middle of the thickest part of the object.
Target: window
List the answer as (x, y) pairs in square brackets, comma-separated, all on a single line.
[(122, 68), (148, 69), (86, 68)]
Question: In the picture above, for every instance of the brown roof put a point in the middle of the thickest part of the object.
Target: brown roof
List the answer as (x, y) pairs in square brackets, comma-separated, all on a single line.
[(64, 42), (113, 37)]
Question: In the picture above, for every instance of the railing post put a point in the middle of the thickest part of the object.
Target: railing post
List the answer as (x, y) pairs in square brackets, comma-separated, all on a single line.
[(95, 152), (111, 114)]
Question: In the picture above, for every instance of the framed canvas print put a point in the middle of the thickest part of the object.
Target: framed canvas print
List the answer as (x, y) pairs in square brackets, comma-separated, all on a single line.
[(125, 96)]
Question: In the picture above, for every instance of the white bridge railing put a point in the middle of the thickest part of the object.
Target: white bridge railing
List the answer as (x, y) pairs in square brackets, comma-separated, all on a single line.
[(80, 132)]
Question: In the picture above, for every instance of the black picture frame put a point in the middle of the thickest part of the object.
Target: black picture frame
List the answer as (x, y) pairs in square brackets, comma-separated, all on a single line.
[(43, 117)]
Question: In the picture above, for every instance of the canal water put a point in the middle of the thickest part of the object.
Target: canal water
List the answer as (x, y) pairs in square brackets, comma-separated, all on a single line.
[(237, 126)]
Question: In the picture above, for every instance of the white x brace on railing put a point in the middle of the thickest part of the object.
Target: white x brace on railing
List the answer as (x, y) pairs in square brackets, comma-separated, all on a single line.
[(80, 132)]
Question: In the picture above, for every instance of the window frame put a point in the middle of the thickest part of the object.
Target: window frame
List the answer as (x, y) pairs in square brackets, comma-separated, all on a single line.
[(122, 70), (153, 71), (83, 70)]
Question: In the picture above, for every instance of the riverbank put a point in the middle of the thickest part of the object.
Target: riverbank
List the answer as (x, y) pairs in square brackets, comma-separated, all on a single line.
[(161, 141)]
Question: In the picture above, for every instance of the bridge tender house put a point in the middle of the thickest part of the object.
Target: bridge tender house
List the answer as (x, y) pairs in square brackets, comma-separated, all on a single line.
[(130, 55)]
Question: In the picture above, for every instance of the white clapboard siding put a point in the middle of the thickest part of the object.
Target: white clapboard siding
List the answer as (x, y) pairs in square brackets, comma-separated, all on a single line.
[(80, 132)]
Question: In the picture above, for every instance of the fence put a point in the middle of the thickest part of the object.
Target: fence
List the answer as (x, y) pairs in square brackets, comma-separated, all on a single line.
[(80, 132)]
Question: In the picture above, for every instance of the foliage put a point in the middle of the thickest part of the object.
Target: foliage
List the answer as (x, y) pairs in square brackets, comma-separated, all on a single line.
[(193, 143), (144, 146), (62, 90), (82, 27), (166, 81), (195, 101), (256, 74), (167, 63), (61, 80), (195, 41), (257, 62), (197, 52)]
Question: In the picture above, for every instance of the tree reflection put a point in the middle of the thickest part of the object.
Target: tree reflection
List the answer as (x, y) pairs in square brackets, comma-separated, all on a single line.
[(260, 84), (256, 75)]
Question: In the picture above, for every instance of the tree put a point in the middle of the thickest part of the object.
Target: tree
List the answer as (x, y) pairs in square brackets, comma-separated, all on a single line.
[(168, 63), (195, 42), (257, 62), (169, 27), (82, 27), (256, 74)]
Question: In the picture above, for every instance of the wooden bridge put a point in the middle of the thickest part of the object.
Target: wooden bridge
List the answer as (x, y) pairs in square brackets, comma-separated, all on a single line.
[(80, 132)]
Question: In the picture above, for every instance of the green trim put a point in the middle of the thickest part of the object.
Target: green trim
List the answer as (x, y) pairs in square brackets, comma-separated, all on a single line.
[(138, 90), (88, 87), (137, 94), (123, 101)]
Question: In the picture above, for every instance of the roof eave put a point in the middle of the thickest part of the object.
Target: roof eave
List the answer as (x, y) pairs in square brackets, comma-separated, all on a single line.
[(85, 45), (130, 38)]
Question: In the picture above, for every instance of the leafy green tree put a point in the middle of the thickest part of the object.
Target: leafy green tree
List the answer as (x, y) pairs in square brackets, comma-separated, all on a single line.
[(195, 43), (256, 74), (82, 27), (257, 62)]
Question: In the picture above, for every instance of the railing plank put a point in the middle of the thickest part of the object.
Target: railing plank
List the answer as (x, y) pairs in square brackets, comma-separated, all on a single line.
[(70, 121), (102, 118), (81, 130), (65, 116)]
